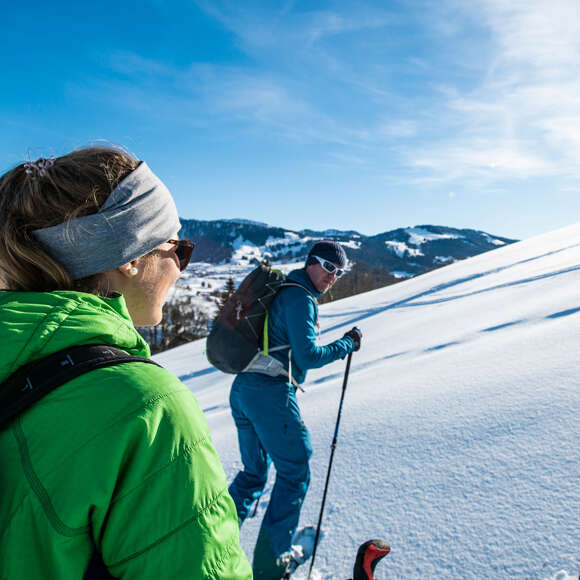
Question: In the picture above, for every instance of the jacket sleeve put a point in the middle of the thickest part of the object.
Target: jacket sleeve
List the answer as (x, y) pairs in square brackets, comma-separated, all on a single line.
[(300, 312), (170, 515)]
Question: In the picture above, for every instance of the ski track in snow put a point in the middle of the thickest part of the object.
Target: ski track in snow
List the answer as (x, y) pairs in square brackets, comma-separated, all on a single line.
[(459, 436)]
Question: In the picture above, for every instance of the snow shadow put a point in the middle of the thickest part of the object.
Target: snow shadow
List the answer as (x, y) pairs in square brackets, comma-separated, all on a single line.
[(413, 301), (497, 287), (500, 326), (215, 408), (327, 378), (563, 313), (394, 355), (196, 374), (441, 346), (357, 367)]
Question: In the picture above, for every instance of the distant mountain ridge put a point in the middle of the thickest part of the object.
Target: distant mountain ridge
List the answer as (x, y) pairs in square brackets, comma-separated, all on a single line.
[(405, 251)]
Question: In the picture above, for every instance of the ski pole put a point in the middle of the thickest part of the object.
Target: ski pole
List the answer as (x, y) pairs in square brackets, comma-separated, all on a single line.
[(332, 448), (254, 511)]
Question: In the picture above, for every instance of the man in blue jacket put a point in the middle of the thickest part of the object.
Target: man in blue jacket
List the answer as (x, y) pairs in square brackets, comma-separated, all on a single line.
[(266, 413)]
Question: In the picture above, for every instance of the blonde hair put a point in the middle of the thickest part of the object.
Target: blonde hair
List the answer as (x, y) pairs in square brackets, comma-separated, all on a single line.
[(74, 185)]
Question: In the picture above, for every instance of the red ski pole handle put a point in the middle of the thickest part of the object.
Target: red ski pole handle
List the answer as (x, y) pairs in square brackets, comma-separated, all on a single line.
[(368, 556)]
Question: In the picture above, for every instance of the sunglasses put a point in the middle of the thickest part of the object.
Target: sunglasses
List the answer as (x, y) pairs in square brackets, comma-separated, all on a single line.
[(329, 267), (183, 251)]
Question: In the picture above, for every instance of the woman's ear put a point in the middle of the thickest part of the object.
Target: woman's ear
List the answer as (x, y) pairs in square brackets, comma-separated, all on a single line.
[(130, 269)]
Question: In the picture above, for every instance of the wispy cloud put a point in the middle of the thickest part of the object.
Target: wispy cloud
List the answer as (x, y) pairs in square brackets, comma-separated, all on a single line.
[(522, 118), (210, 94), (470, 158), (398, 129), (541, 36), (322, 76), (261, 25), (319, 25)]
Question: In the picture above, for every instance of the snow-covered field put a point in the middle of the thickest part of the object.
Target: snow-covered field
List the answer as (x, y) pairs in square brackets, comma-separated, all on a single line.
[(459, 441)]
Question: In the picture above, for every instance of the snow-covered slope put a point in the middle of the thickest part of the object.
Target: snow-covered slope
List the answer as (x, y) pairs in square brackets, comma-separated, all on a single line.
[(460, 429)]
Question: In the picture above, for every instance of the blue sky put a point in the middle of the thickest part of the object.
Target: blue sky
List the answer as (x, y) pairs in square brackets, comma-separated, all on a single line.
[(348, 115)]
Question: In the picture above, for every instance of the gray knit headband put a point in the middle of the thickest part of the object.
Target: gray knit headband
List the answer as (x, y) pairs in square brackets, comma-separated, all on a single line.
[(138, 216)]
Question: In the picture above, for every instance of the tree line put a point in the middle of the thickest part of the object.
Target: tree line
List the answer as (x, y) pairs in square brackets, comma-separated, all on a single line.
[(183, 321)]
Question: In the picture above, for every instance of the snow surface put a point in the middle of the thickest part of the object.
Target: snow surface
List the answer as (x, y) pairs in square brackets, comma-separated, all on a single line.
[(401, 248), (443, 259), (401, 274), (289, 238), (246, 222), (494, 240), (245, 250), (459, 436), (418, 236), (353, 244)]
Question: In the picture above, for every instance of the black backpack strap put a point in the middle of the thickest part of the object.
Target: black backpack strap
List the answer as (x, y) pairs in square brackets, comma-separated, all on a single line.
[(297, 284), (34, 380)]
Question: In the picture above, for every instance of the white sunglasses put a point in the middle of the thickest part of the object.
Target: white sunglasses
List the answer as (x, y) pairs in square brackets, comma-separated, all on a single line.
[(329, 266)]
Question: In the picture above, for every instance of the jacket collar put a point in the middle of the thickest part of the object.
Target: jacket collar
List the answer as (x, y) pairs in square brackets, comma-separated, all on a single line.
[(301, 277)]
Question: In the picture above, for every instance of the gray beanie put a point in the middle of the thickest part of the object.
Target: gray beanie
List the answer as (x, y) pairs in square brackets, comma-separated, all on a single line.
[(329, 250)]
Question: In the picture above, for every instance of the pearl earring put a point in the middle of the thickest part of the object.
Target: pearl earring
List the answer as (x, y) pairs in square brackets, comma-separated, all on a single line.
[(133, 271)]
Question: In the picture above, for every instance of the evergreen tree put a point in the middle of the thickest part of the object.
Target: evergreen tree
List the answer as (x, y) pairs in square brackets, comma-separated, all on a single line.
[(230, 288), (227, 292), (223, 296), (182, 322)]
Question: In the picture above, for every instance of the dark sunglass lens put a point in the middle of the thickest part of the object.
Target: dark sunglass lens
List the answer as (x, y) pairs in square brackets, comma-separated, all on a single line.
[(329, 267), (183, 252)]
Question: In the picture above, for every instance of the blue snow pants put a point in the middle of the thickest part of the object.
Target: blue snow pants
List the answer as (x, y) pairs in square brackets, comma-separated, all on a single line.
[(270, 428)]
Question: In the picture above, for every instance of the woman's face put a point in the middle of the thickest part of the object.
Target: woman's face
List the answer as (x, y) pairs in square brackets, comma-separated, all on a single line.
[(145, 292)]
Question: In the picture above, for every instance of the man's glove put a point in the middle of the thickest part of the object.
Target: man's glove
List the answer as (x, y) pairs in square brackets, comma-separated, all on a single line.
[(356, 335)]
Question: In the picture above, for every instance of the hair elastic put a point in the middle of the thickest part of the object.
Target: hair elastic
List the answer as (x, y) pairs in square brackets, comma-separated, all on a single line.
[(39, 167)]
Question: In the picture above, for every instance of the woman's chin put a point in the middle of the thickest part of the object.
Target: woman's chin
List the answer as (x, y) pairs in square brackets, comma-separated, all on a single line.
[(152, 319)]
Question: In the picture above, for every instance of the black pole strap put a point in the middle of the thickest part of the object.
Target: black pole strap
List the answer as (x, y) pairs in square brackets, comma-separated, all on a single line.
[(332, 449)]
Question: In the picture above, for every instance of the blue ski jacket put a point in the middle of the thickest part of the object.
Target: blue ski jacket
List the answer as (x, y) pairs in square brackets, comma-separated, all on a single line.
[(293, 320)]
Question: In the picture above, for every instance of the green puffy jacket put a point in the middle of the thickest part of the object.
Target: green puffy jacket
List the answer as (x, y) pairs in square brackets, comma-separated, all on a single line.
[(119, 458)]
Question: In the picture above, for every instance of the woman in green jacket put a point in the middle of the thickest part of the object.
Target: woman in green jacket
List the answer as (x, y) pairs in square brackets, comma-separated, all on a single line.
[(117, 465)]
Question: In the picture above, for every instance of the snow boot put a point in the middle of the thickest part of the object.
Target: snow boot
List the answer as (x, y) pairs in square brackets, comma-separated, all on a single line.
[(300, 550)]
